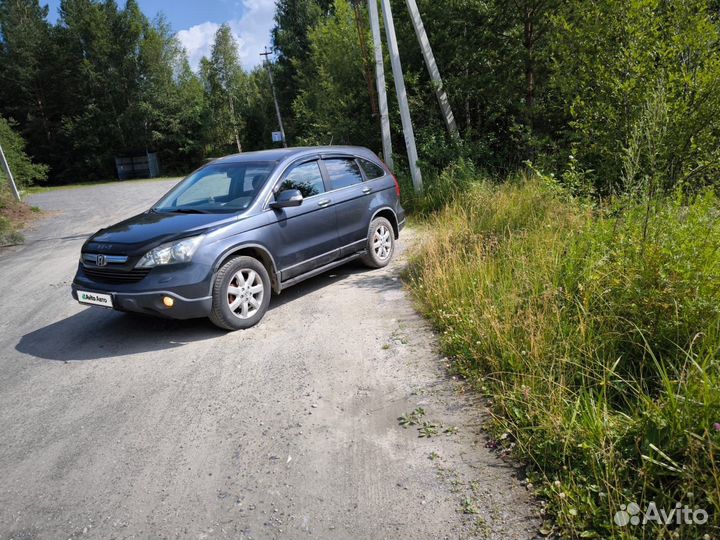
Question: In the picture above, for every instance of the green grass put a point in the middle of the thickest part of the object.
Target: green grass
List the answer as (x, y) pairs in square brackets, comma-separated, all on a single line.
[(44, 189), (9, 235), (13, 215), (595, 335)]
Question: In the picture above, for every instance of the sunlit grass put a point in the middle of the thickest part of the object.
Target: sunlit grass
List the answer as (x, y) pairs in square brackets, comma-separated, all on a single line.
[(595, 334), (14, 215)]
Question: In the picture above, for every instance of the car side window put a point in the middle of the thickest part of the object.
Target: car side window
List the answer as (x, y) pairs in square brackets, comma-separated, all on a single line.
[(306, 178), (343, 172), (372, 170)]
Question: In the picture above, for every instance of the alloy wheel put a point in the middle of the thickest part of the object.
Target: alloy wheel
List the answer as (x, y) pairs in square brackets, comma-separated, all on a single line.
[(245, 293), (382, 242)]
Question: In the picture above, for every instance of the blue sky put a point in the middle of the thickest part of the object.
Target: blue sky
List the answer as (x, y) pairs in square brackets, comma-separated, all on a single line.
[(196, 21)]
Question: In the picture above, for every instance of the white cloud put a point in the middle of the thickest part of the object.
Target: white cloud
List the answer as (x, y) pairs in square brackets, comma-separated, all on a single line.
[(251, 31), (197, 41)]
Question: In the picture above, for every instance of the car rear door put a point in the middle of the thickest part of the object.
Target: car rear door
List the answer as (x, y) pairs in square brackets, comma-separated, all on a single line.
[(304, 237), (350, 197)]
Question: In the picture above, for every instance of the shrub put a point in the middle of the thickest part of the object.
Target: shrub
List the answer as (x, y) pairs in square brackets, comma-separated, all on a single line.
[(12, 216), (439, 188), (24, 171)]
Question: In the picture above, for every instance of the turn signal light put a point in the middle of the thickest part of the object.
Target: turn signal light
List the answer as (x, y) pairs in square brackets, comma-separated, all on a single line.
[(169, 302)]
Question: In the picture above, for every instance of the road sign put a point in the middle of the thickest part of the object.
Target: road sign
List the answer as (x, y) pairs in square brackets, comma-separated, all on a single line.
[(277, 136)]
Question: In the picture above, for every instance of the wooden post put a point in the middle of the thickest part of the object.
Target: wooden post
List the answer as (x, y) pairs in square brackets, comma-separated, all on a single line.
[(380, 82), (432, 68), (402, 97), (266, 54)]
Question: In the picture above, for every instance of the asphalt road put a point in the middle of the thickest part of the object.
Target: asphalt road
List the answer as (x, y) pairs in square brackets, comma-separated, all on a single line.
[(115, 426)]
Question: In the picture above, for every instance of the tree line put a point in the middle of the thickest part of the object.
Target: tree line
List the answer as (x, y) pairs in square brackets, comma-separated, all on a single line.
[(608, 95), (104, 81)]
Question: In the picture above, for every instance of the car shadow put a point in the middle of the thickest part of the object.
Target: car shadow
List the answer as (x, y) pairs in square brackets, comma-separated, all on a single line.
[(95, 334)]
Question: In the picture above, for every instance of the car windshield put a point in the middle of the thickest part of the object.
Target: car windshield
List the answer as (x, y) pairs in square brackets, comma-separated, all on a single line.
[(218, 188)]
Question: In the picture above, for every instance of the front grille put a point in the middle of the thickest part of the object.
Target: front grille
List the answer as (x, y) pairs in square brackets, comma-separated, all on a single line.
[(111, 275)]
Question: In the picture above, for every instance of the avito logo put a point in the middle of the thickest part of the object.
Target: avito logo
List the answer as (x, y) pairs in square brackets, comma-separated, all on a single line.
[(632, 514)]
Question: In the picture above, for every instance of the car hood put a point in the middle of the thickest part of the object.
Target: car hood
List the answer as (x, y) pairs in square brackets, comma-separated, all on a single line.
[(151, 228)]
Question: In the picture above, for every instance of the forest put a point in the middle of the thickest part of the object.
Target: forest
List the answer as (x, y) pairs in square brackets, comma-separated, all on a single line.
[(576, 88), (569, 238)]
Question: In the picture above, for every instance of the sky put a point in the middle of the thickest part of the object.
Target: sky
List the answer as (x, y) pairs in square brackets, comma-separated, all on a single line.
[(196, 21)]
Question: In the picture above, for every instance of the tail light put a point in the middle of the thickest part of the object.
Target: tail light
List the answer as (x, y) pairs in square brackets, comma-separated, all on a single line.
[(397, 184)]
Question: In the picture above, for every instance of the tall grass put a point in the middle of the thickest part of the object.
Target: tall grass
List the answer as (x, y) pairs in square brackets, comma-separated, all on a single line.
[(595, 334), (13, 215)]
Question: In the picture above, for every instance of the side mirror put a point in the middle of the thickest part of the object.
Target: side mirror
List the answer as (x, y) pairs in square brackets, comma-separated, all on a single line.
[(287, 198)]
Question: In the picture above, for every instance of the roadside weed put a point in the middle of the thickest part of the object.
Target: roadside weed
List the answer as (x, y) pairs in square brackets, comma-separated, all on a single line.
[(428, 429), (595, 334), (469, 506), (411, 418)]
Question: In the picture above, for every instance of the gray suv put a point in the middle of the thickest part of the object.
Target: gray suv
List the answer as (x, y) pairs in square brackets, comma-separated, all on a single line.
[(240, 227)]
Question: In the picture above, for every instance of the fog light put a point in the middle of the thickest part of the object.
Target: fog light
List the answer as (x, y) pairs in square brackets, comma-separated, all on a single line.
[(169, 302)]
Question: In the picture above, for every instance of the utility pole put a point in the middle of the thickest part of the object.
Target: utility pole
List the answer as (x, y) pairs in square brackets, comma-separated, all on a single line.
[(266, 54), (402, 97), (11, 180), (380, 82), (432, 68)]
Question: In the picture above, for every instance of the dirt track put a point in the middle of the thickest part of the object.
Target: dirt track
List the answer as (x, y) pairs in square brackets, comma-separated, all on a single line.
[(122, 427)]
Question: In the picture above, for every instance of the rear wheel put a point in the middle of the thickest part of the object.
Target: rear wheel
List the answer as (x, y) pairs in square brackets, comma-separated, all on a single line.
[(241, 294), (380, 245)]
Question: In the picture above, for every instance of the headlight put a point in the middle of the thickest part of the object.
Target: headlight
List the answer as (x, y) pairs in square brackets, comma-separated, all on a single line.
[(179, 251)]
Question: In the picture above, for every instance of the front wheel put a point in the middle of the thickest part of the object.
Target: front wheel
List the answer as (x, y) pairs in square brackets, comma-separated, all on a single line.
[(380, 243), (241, 294)]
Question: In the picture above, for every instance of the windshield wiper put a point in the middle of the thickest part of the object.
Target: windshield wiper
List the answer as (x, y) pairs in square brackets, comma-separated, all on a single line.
[(187, 211)]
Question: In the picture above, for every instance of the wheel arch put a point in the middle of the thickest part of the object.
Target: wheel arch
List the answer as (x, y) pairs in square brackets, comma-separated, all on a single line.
[(255, 251), (389, 214)]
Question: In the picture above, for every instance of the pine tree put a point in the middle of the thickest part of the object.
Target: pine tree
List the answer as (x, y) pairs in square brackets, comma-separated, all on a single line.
[(27, 75)]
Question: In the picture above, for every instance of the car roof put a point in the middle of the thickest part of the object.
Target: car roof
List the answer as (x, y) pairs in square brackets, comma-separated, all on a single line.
[(280, 154)]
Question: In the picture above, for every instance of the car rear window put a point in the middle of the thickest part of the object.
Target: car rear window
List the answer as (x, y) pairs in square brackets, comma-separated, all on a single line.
[(372, 170), (343, 172)]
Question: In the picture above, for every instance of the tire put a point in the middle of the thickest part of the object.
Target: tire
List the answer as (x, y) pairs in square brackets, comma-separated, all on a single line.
[(250, 280), (380, 245)]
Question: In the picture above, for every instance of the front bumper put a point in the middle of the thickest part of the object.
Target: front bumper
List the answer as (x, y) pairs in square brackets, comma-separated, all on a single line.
[(151, 303), (187, 285)]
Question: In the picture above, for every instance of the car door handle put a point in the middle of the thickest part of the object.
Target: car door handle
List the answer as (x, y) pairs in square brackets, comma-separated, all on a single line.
[(324, 203), (366, 190)]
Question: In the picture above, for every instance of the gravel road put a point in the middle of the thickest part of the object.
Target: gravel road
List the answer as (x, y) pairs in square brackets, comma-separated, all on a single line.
[(115, 426)]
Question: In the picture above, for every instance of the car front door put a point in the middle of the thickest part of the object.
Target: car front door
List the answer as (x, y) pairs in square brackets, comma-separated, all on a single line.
[(304, 237), (350, 197)]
